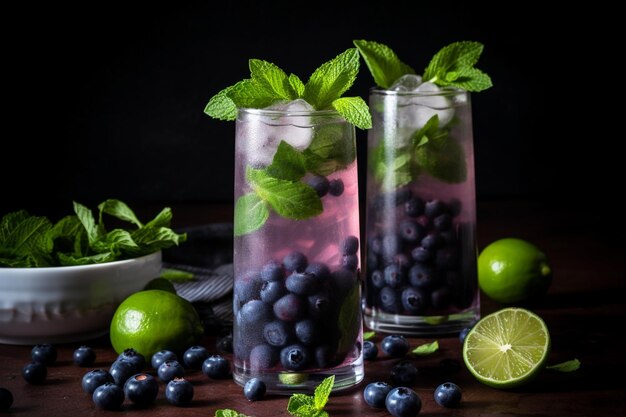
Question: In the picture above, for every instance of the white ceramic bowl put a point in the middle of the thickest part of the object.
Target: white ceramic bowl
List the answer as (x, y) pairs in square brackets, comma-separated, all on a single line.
[(68, 303)]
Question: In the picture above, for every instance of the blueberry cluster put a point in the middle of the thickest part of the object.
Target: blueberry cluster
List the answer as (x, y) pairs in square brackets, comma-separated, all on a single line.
[(414, 258), (288, 312)]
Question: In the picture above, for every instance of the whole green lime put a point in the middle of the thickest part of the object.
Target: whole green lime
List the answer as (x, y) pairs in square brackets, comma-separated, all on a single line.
[(153, 320), (513, 270)]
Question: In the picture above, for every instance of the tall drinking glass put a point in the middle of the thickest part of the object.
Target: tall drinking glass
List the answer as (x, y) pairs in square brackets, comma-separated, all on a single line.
[(297, 300), (421, 275)]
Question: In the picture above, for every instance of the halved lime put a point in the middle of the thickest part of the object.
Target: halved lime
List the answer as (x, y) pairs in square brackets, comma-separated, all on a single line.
[(507, 348)]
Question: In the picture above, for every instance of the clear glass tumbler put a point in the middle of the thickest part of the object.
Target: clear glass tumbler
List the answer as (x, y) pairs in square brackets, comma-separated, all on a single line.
[(421, 275), (297, 296)]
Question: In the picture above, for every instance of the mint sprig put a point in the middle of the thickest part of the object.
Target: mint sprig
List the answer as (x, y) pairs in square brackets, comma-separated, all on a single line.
[(452, 66), (382, 62), (227, 412), (268, 84), (302, 405)]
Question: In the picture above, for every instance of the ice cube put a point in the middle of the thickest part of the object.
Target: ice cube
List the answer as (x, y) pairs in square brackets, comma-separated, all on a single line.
[(296, 129), (406, 83), (415, 110), (262, 134)]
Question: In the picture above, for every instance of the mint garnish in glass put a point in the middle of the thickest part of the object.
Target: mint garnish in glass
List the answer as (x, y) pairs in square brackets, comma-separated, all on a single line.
[(281, 162), (428, 146)]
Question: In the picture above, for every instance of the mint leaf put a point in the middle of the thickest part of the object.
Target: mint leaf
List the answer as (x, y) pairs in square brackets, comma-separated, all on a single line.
[(152, 239), (287, 164), (221, 107), (296, 84), (382, 62), (118, 209), (332, 79), (228, 413), (89, 223), (349, 320), (368, 335), (176, 275), (443, 158), (116, 241), (453, 66), (568, 366), (426, 349), (163, 219), (251, 213), (354, 110), (272, 79), (294, 200), (322, 392), (299, 402), (249, 93), (329, 151)]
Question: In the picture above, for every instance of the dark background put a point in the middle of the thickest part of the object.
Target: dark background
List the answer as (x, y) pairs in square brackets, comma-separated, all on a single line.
[(106, 100)]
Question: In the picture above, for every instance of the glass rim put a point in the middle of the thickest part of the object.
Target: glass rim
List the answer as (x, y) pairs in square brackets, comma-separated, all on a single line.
[(446, 91), (287, 113)]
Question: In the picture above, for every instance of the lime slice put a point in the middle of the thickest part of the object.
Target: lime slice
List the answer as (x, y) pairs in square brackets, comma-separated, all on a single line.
[(507, 348)]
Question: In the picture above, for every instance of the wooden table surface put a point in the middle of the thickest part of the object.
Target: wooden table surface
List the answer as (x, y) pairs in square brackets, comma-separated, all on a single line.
[(583, 310)]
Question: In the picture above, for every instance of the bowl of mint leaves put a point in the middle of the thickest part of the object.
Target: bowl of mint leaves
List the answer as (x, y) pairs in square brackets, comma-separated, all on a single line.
[(61, 281)]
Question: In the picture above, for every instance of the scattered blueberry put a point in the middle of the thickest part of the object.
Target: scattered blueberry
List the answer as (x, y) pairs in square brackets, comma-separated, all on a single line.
[(395, 345), (319, 183), (375, 394), (335, 187), (448, 395), (295, 261), (370, 350), (350, 245), (141, 389), (179, 392), (216, 367), (134, 357), (254, 389), (121, 370), (6, 399), (463, 334), (161, 356), (44, 353), (195, 356), (108, 396), (169, 370), (403, 402), (93, 379), (404, 374), (84, 356), (35, 373), (294, 357)]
